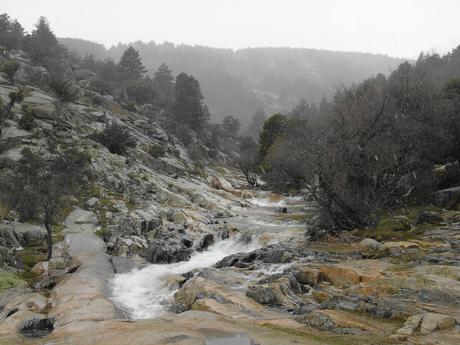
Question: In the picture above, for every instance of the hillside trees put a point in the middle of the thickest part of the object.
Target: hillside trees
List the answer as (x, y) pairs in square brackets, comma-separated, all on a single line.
[(373, 147), (163, 85), (130, 65), (44, 49), (272, 129), (11, 32), (43, 180)]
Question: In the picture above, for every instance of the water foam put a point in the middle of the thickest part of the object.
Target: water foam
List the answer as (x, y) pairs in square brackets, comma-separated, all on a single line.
[(144, 293)]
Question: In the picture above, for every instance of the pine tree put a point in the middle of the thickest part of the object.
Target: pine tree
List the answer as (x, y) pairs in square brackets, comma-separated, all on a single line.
[(163, 84), (131, 67), (44, 49), (11, 32), (189, 108)]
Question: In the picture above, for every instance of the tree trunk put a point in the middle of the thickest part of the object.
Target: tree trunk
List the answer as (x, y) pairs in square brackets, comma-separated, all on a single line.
[(49, 239)]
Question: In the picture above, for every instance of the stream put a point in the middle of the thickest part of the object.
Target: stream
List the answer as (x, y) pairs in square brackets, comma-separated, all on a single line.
[(145, 293)]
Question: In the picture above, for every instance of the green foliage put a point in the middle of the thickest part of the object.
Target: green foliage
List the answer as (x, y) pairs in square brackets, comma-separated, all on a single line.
[(44, 49), (130, 65), (116, 138), (155, 150), (163, 84), (11, 32), (9, 280), (9, 69), (189, 108), (140, 91), (27, 121), (16, 97), (373, 146), (131, 106), (273, 128), (45, 179), (452, 88), (63, 90)]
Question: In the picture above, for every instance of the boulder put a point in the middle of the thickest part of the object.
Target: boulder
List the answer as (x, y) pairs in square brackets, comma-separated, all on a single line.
[(131, 245), (278, 293), (162, 252), (199, 293), (305, 274), (40, 268), (262, 294), (220, 183), (344, 276), (426, 217), (433, 321), (369, 247), (92, 202), (411, 325), (206, 241)]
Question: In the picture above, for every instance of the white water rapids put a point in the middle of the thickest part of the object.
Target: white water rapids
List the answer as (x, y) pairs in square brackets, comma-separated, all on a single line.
[(144, 293)]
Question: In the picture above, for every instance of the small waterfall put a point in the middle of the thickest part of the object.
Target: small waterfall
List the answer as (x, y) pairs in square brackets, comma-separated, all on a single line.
[(144, 293)]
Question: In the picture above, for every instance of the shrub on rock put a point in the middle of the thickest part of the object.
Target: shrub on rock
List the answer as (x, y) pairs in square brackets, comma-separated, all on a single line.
[(116, 138)]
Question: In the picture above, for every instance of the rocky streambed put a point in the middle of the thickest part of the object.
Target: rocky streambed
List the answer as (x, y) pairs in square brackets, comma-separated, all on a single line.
[(258, 282)]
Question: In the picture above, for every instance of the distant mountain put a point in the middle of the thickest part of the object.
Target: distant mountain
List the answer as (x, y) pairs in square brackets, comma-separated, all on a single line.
[(238, 82)]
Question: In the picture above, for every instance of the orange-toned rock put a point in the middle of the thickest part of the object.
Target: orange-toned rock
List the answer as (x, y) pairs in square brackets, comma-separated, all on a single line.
[(306, 274), (320, 296), (344, 276)]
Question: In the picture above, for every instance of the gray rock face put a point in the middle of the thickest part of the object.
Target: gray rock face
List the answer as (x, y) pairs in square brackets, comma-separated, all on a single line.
[(15, 234), (262, 294), (14, 133), (273, 254), (447, 198), (426, 217), (81, 221), (162, 252)]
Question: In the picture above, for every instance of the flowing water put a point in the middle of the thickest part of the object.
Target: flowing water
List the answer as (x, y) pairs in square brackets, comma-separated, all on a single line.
[(144, 293)]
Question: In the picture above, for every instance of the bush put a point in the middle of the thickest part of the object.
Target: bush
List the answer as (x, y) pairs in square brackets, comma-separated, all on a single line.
[(155, 150), (63, 90), (9, 69), (116, 138), (27, 121), (16, 97)]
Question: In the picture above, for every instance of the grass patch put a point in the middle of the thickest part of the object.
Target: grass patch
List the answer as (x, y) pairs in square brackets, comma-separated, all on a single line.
[(10, 280)]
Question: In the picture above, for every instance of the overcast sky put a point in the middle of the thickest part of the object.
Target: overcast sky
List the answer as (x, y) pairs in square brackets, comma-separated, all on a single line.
[(400, 28)]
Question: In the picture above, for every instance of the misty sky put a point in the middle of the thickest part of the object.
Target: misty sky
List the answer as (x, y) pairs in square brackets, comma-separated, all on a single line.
[(400, 28)]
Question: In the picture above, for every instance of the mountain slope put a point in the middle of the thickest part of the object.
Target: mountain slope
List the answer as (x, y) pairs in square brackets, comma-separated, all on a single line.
[(238, 82)]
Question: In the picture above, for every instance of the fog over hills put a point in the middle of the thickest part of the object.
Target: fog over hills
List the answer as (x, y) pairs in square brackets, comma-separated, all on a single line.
[(237, 82)]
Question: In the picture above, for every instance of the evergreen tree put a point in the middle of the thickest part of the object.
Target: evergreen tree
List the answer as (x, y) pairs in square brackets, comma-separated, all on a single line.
[(189, 108), (163, 84), (11, 32), (44, 49), (131, 67), (273, 128)]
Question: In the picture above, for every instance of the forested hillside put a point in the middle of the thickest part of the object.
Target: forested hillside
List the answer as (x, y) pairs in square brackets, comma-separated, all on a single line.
[(238, 82)]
